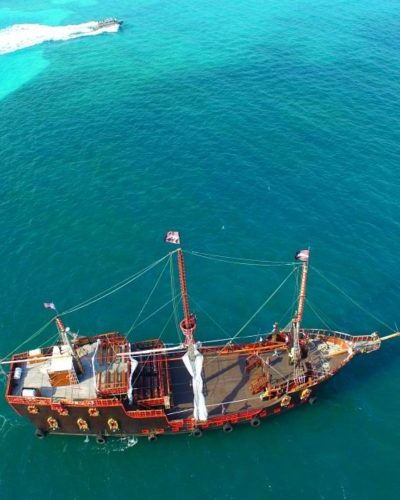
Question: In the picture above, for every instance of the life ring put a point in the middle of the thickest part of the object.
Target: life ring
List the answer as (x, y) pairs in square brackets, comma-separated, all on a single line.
[(82, 424), (112, 424), (53, 424), (33, 409), (286, 400), (93, 412), (305, 393)]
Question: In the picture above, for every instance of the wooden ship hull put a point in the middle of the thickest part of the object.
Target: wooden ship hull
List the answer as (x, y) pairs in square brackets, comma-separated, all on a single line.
[(106, 386), (234, 386)]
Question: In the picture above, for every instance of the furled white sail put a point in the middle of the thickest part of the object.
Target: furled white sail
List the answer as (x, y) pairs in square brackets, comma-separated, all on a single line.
[(134, 365), (193, 361)]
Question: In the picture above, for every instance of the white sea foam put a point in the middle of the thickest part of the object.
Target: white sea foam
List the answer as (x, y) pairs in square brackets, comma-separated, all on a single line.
[(21, 36)]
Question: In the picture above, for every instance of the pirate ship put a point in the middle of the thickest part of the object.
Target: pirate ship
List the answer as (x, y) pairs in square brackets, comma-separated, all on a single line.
[(104, 385)]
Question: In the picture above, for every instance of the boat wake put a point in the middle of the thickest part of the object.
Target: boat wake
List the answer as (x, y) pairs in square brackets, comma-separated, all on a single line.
[(21, 36), (116, 445)]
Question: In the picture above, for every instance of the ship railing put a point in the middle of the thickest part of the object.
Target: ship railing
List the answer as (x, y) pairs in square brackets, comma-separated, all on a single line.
[(366, 344), (318, 332), (360, 343), (283, 386)]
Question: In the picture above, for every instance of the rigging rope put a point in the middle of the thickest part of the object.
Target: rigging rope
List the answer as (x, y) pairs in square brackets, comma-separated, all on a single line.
[(352, 300), (320, 315), (241, 261), (260, 308), (92, 300), (148, 298), (33, 336), (169, 319), (254, 335), (115, 288), (155, 312), (270, 366), (293, 305), (209, 316), (212, 341), (173, 294), (159, 337), (290, 308)]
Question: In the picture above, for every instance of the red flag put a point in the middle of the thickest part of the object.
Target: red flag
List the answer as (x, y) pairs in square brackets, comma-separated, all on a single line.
[(173, 237)]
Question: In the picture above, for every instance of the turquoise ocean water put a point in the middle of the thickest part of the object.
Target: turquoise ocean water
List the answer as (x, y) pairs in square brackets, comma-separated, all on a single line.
[(254, 127)]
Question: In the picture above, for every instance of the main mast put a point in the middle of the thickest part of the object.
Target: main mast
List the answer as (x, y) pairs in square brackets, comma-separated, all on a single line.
[(188, 324), (303, 256), (303, 289)]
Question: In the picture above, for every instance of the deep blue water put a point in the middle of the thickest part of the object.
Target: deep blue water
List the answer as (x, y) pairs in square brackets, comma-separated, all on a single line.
[(256, 128)]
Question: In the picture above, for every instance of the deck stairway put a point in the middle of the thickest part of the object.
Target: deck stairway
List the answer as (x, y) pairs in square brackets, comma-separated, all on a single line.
[(112, 377), (151, 381)]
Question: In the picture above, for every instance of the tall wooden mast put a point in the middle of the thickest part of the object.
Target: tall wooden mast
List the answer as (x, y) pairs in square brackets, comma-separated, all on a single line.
[(63, 331), (188, 324), (303, 256), (302, 293)]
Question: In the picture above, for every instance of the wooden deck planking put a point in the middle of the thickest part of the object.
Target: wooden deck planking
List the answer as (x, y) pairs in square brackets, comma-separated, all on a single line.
[(227, 384)]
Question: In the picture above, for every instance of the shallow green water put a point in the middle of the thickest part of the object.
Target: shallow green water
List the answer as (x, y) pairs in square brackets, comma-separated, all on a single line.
[(256, 128)]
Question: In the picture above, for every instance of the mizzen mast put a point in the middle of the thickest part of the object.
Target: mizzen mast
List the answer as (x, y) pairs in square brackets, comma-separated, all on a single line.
[(63, 331)]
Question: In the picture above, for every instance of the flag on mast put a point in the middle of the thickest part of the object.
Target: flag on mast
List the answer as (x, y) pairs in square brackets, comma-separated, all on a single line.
[(173, 237), (50, 305), (302, 255)]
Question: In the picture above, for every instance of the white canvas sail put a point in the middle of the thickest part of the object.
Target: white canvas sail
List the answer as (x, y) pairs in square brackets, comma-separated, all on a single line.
[(193, 361), (134, 365)]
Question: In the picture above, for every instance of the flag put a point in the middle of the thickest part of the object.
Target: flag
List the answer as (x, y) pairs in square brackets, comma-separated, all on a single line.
[(302, 255), (173, 237), (50, 305)]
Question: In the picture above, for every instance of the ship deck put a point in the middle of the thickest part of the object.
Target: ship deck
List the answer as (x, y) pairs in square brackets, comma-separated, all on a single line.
[(228, 386), (35, 376)]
